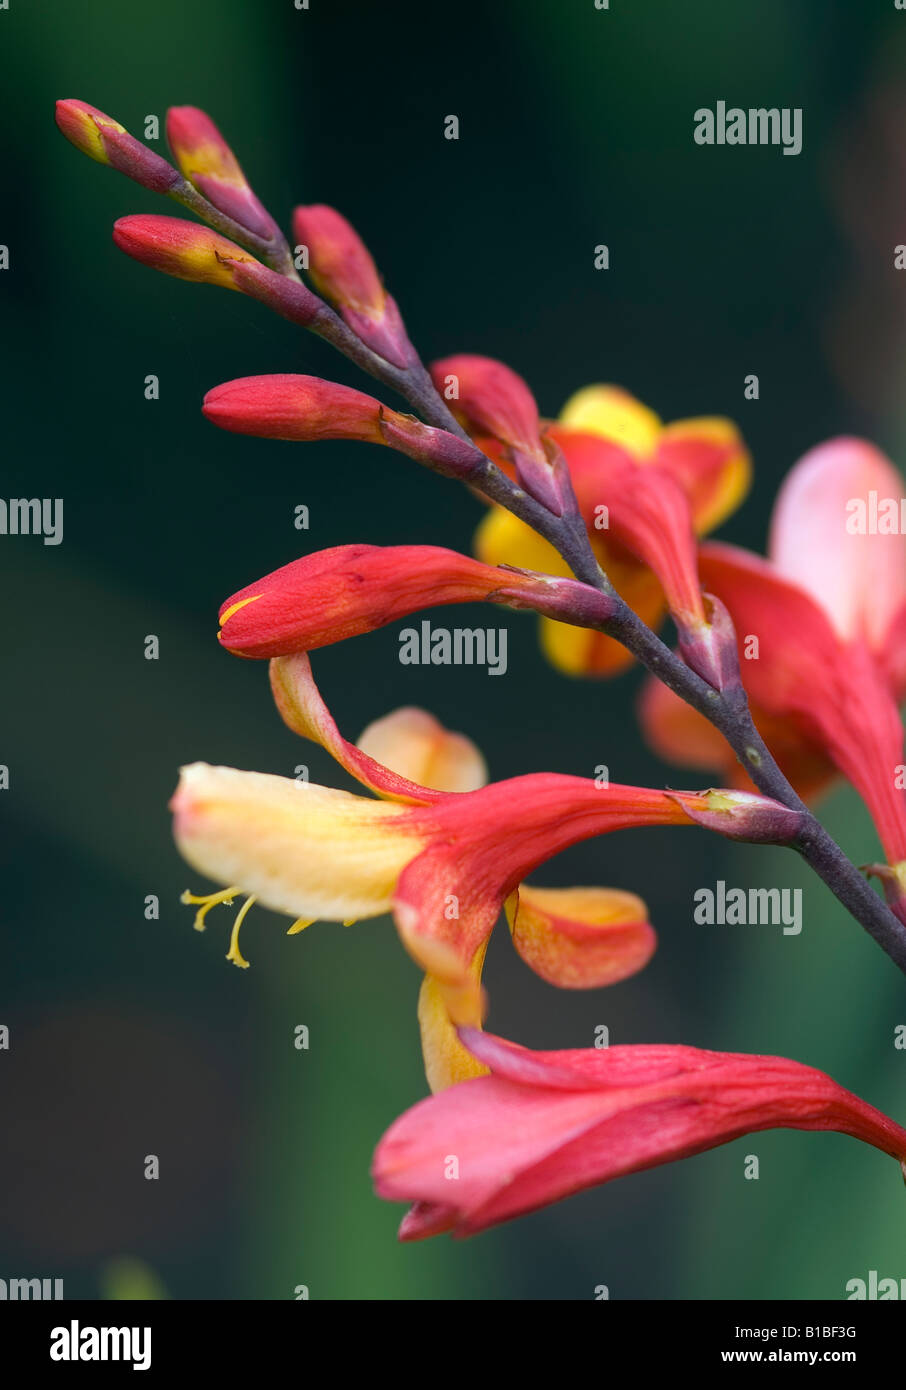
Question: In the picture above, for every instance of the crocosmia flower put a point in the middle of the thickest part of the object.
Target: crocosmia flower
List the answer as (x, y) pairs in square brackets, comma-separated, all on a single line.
[(445, 863), (540, 1126), (821, 627), (644, 490)]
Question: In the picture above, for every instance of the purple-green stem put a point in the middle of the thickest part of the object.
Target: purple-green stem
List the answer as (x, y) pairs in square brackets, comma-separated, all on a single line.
[(728, 711)]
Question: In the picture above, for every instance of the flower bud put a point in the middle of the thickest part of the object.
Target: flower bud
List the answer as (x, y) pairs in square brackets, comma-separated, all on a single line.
[(710, 647), (290, 406), (343, 271), (210, 165), (105, 140), (488, 398), (741, 815), (190, 251)]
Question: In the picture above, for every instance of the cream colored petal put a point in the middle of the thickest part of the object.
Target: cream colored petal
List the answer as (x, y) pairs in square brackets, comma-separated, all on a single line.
[(302, 849), (413, 743)]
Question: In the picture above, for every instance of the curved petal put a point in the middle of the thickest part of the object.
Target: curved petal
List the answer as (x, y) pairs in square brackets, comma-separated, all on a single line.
[(580, 938), (304, 711), (614, 414), (445, 908), (795, 645), (829, 535), (448, 899), (709, 460), (447, 1060), (647, 512), (308, 851), (417, 746)]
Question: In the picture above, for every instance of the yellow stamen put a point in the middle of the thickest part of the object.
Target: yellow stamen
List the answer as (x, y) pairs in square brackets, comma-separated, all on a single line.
[(208, 900), (350, 921), (234, 954), (300, 924)]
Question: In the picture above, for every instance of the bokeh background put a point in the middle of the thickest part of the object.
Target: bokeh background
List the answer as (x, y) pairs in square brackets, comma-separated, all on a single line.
[(131, 1037)]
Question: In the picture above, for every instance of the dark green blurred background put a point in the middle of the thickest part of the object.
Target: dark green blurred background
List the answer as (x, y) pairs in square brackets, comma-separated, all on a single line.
[(132, 1037)]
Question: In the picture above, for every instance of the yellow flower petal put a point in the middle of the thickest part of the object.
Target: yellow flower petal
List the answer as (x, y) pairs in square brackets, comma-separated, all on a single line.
[(714, 493), (580, 938), (413, 743), (614, 414), (502, 539), (446, 1060), (578, 651), (305, 850)]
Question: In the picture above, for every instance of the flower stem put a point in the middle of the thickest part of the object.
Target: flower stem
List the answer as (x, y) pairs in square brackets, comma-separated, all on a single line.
[(728, 711)]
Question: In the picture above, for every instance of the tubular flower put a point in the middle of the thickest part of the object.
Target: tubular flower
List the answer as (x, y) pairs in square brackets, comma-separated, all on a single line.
[(342, 270), (644, 490), (544, 1125), (821, 628), (444, 862), (351, 589)]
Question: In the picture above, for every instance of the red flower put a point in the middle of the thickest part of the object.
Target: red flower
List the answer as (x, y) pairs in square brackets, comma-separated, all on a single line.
[(544, 1125)]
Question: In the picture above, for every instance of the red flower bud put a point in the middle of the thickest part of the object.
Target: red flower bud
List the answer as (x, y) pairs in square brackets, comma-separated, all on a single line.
[(105, 140), (343, 271), (210, 165)]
